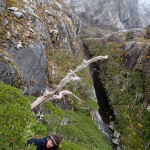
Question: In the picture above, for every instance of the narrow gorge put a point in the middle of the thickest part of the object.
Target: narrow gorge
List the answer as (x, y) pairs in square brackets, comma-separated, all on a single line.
[(105, 115)]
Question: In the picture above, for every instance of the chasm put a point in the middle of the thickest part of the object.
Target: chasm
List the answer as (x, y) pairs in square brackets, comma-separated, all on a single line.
[(106, 112)]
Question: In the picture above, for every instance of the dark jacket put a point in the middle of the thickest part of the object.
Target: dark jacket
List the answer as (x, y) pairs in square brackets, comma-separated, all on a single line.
[(41, 144)]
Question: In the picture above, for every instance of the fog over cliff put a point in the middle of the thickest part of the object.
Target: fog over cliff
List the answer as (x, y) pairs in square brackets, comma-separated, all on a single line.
[(144, 6), (112, 15)]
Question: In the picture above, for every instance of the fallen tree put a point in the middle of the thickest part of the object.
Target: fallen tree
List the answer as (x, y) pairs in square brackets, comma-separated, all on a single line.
[(71, 76)]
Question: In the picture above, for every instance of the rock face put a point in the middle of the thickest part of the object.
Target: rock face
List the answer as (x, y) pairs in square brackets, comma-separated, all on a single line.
[(30, 30), (112, 15), (144, 10)]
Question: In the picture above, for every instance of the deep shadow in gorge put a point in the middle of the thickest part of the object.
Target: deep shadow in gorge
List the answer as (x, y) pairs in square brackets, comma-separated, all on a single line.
[(105, 110)]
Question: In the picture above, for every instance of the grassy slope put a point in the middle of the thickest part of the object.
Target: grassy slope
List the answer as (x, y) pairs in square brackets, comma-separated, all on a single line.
[(18, 124)]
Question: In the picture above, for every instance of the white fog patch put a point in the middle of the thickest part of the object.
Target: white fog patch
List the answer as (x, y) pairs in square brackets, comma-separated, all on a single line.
[(144, 6)]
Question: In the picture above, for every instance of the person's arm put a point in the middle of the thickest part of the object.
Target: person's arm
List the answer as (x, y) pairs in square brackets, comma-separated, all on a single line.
[(37, 142)]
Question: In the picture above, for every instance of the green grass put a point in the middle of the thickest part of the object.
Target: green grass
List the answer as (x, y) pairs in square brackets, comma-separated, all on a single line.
[(18, 123), (80, 131)]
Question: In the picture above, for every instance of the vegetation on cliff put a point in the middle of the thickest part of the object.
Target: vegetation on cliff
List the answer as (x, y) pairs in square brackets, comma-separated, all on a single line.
[(127, 88)]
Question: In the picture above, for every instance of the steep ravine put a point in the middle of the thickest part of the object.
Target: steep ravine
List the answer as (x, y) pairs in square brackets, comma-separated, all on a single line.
[(125, 77), (106, 114)]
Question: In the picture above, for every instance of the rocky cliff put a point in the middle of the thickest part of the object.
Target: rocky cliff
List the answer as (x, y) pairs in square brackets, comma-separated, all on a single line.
[(110, 15), (29, 32)]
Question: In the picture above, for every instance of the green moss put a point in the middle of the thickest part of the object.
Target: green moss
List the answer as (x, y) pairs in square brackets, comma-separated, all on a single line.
[(17, 122), (146, 124), (67, 145), (92, 104)]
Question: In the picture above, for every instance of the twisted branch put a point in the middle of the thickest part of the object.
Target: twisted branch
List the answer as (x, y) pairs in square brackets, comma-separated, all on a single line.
[(66, 79)]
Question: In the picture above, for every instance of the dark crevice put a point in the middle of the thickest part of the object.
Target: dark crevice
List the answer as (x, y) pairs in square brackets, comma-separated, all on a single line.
[(105, 110)]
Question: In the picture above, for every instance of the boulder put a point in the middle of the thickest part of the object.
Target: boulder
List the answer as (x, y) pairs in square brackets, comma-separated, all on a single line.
[(7, 72), (2, 6)]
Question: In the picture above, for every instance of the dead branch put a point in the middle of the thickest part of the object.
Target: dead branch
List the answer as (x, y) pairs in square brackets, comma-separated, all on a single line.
[(65, 92), (65, 80)]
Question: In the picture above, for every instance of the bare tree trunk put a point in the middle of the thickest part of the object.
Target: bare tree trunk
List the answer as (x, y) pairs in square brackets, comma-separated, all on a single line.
[(66, 79)]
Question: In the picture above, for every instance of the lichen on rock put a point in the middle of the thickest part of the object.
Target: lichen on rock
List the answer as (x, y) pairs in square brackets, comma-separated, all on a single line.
[(29, 31)]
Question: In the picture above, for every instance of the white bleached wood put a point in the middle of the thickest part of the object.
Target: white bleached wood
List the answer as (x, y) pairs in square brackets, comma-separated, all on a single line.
[(66, 79)]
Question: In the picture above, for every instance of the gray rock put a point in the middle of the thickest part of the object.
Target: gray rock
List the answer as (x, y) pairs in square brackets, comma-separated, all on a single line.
[(134, 56), (63, 28), (106, 37), (116, 134), (2, 6), (7, 73), (118, 148), (5, 22), (146, 45), (128, 45), (14, 31), (65, 121), (115, 141), (48, 12), (145, 11), (111, 127), (31, 64), (18, 14), (8, 35), (15, 41), (13, 9), (29, 10), (19, 45), (27, 45), (134, 34), (121, 14)]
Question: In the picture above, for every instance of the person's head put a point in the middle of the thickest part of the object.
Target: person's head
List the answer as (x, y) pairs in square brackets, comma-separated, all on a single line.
[(54, 140)]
